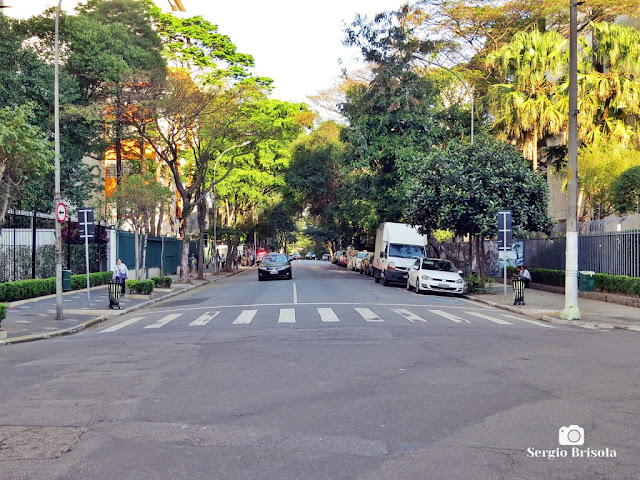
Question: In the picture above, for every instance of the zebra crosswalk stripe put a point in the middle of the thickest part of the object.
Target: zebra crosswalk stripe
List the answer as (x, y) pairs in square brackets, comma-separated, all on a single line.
[(164, 320), (528, 320), (368, 315), (449, 316), (412, 317), (328, 315), (245, 317), (491, 319), (121, 325), (204, 319), (287, 315)]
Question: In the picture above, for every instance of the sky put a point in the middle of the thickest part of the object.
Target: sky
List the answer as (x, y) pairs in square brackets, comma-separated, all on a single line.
[(297, 43)]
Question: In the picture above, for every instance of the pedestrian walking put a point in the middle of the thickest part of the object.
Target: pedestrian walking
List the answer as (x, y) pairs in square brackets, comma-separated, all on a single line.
[(120, 274)]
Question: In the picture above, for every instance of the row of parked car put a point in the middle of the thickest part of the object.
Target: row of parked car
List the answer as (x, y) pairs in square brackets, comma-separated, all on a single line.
[(426, 274), (358, 262)]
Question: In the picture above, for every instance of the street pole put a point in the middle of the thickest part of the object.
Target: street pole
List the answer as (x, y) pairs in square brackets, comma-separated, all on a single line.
[(422, 59), (57, 197), (571, 310)]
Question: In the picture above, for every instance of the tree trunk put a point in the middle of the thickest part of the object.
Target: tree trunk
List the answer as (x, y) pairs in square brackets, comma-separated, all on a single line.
[(435, 245), (201, 227), (136, 247)]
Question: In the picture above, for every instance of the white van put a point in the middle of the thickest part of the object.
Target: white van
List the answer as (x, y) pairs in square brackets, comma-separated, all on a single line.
[(398, 245)]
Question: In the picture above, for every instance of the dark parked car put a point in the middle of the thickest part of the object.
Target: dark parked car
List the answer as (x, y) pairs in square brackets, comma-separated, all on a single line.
[(275, 265), (311, 256)]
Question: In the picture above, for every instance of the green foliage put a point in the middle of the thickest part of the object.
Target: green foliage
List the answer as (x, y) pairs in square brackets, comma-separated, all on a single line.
[(3, 312), (626, 191), (461, 187), (142, 287), (24, 153), (547, 276), (162, 282), (477, 284), (24, 289)]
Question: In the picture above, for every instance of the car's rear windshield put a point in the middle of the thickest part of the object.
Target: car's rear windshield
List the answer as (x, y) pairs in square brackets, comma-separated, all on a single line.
[(362, 254), (441, 265), (275, 259)]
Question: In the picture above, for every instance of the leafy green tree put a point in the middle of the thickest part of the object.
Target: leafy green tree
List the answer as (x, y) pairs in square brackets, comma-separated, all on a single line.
[(527, 108), (626, 191), (598, 168), (25, 78), (24, 153), (609, 90), (461, 188)]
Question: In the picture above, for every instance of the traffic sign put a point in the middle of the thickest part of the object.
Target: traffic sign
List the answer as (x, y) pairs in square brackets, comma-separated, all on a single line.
[(85, 222), (61, 212)]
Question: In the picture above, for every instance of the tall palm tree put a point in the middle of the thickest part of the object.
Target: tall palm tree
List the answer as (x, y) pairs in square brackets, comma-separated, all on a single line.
[(609, 89), (525, 107)]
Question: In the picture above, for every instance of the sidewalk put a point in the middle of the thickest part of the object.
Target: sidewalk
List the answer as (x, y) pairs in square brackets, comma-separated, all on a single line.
[(34, 319), (544, 305)]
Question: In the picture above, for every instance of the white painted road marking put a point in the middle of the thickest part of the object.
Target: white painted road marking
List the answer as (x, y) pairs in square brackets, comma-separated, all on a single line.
[(295, 294), (412, 317), (287, 315), (328, 315), (245, 317), (203, 319), (368, 315), (450, 316), (491, 319), (163, 321), (121, 325), (528, 320)]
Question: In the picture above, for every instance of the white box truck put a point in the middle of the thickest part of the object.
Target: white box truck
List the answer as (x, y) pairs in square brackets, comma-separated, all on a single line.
[(398, 245)]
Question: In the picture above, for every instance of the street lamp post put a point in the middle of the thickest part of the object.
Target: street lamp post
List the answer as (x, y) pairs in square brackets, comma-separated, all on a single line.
[(215, 210), (57, 197), (422, 59), (571, 310)]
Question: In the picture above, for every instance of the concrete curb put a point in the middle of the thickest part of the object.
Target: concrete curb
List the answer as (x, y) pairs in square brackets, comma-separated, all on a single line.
[(88, 323), (556, 320)]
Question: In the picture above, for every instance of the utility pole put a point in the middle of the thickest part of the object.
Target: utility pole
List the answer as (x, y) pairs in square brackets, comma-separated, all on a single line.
[(57, 197), (571, 310)]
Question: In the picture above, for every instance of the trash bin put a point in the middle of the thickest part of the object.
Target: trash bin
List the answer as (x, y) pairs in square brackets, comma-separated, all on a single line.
[(66, 280), (114, 294), (586, 281), (518, 290)]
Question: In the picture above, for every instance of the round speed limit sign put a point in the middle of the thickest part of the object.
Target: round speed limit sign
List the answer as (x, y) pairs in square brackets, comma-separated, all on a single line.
[(61, 212)]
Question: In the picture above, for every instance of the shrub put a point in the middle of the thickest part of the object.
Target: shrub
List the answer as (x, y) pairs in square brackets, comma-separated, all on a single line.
[(3, 312), (474, 283), (162, 282), (622, 284), (143, 287)]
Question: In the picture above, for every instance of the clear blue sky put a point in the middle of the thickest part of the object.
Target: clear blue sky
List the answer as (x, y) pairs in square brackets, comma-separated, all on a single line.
[(298, 43)]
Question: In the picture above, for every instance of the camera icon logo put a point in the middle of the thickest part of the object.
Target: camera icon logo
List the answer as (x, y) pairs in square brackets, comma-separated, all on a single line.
[(571, 435)]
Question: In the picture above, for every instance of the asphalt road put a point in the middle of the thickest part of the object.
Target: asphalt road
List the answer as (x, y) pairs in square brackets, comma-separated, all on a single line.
[(326, 376)]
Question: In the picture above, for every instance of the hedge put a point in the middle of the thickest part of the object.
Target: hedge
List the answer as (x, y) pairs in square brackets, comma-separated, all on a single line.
[(162, 282), (603, 282), (144, 287), (3, 312), (23, 289)]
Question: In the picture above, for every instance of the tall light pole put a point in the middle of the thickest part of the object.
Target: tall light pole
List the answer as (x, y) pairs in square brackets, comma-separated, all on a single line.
[(57, 197), (571, 310), (215, 210), (422, 59)]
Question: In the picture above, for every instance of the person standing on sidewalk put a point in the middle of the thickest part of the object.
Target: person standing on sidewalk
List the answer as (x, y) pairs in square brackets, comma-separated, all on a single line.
[(525, 275), (120, 274)]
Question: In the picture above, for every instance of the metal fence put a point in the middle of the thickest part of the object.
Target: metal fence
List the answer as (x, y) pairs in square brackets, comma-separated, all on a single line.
[(27, 248), (613, 253)]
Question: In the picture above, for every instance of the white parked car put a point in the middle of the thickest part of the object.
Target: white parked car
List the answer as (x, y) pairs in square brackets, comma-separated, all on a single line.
[(435, 275), (357, 262)]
